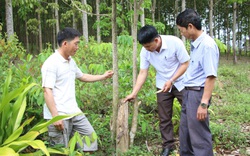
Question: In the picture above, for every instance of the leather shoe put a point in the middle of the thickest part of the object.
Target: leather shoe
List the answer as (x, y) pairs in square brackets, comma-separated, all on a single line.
[(166, 152)]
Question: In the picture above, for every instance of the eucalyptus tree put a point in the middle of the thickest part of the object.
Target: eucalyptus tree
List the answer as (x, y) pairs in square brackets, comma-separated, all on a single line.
[(136, 7), (85, 23), (9, 18), (98, 29)]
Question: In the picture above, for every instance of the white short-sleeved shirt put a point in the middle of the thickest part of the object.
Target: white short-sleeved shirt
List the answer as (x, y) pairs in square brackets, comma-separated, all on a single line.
[(204, 61), (59, 75), (167, 61)]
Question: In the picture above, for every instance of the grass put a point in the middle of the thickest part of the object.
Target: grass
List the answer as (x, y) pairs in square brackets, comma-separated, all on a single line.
[(230, 105)]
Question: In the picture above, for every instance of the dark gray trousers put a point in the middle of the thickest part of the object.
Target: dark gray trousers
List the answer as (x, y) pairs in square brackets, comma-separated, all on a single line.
[(165, 111), (195, 135)]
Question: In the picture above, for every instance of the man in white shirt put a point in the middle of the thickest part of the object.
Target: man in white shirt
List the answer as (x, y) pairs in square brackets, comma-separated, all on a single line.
[(59, 72), (167, 54)]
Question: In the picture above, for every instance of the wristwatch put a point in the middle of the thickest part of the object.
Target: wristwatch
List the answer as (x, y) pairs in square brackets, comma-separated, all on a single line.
[(204, 105)]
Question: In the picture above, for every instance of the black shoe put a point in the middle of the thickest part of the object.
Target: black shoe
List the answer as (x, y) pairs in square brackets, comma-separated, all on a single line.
[(166, 152)]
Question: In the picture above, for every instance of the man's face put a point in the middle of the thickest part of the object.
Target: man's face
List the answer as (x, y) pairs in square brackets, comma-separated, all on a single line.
[(72, 46), (184, 31), (152, 46)]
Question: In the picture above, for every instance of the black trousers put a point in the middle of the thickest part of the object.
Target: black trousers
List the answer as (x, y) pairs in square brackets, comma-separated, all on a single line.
[(165, 111)]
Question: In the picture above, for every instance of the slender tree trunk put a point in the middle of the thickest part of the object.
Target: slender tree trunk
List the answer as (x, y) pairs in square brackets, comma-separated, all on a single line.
[(115, 77), (40, 31), (176, 11), (98, 31), (27, 36), (195, 8), (85, 23), (74, 24), (234, 31), (183, 7), (153, 10), (211, 5), (142, 17), (9, 18), (134, 35), (57, 17)]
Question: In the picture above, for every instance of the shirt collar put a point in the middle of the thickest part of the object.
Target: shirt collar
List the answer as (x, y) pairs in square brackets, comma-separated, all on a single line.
[(61, 58), (197, 42)]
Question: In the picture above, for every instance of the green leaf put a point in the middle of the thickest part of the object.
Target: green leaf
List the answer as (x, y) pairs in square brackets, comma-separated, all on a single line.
[(87, 140), (6, 151)]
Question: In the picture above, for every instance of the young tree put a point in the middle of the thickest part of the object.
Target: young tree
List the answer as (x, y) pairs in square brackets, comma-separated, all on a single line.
[(9, 18), (98, 29), (85, 23)]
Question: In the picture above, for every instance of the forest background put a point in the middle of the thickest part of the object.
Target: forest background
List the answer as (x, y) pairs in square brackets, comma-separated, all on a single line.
[(28, 29)]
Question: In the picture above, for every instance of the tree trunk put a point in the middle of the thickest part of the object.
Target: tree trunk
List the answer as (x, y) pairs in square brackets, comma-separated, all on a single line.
[(183, 7), (115, 77), (134, 35), (153, 11), (98, 30), (85, 23), (27, 36), (142, 17), (176, 11), (9, 18), (195, 8), (40, 31), (234, 31), (57, 18), (122, 139), (211, 5)]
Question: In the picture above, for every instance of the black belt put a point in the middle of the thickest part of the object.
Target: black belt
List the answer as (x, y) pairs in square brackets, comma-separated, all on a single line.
[(194, 88)]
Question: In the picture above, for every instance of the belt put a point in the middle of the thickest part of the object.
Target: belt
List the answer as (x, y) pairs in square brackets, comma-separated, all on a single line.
[(194, 88)]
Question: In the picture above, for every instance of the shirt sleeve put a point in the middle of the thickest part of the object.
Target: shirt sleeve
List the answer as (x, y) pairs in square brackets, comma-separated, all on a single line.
[(144, 63), (210, 61), (48, 75)]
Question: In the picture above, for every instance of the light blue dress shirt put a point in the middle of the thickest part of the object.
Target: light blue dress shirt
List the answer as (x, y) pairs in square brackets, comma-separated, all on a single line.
[(167, 61), (204, 61)]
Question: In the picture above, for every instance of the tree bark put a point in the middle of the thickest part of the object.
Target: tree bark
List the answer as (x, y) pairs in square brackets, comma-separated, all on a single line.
[(153, 11), (115, 76), (98, 30), (183, 7), (211, 18), (9, 18), (85, 23), (234, 31), (122, 139), (40, 31), (134, 35)]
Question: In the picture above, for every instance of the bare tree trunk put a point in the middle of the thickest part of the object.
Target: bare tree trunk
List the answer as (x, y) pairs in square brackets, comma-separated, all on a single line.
[(9, 18), (183, 7), (40, 32), (98, 31), (74, 25), (57, 17), (134, 35), (234, 31), (85, 23), (153, 11), (122, 139), (195, 8), (142, 17), (211, 5), (115, 77), (176, 10), (27, 36)]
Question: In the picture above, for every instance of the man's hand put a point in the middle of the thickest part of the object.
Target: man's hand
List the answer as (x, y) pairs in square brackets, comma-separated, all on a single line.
[(59, 125), (201, 113), (167, 86), (108, 74), (130, 97)]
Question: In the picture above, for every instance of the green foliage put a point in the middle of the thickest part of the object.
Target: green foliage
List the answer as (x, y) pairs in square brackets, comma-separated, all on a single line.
[(222, 47)]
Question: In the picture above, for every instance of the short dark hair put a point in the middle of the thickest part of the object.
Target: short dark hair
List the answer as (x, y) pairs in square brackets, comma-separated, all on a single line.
[(147, 34), (189, 16), (67, 34)]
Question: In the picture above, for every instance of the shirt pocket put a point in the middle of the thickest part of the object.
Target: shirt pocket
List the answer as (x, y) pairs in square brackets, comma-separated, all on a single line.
[(170, 61)]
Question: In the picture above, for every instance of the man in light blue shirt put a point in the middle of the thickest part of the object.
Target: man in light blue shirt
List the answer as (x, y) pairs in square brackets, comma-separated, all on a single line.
[(167, 54), (199, 80)]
